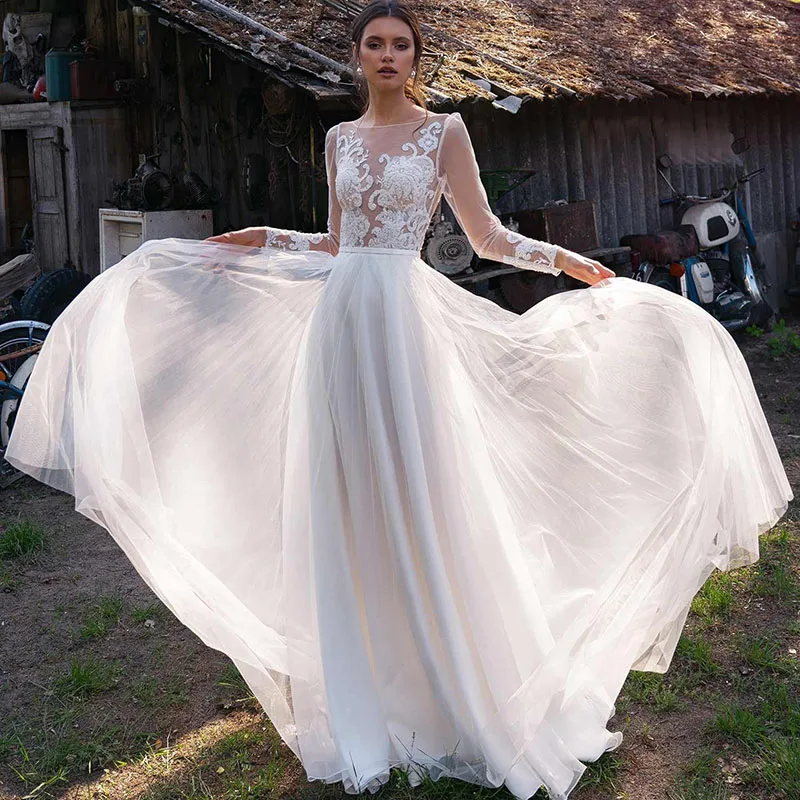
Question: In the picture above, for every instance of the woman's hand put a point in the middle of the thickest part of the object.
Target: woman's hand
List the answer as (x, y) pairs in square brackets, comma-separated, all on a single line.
[(582, 268), (247, 237)]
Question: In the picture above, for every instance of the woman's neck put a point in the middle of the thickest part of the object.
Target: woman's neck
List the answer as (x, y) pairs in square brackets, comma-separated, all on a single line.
[(388, 109)]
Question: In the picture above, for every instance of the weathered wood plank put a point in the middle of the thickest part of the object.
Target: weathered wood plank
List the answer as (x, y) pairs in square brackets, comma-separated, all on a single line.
[(26, 115)]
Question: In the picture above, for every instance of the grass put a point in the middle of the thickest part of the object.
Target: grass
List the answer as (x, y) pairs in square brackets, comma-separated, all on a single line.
[(21, 538), (145, 613), (87, 677), (231, 679), (715, 600), (774, 574), (651, 689), (783, 341), (155, 692), (63, 738), (758, 726), (696, 652), (762, 652), (100, 618), (603, 773), (55, 751), (700, 780)]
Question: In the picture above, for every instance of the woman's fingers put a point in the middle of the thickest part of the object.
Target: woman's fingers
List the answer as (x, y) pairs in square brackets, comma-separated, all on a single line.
[(583, 268)]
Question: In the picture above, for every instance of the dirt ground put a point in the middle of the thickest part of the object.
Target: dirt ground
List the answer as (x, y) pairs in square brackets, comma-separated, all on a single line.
[(104, 694)]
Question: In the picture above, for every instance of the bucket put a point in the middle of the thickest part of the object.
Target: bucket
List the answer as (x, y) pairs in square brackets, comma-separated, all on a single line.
[(57, 73)]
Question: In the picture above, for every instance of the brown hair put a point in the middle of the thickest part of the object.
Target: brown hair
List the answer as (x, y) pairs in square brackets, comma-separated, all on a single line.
[(389, 8)]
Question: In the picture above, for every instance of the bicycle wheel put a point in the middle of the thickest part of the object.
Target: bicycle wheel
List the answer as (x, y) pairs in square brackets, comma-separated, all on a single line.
[(18, 341)]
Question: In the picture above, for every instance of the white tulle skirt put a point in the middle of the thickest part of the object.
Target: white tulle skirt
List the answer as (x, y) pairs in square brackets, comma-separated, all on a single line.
[(430, 533)]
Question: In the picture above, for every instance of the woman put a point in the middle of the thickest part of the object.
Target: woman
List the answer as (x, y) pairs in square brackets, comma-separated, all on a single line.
[(431, 534)]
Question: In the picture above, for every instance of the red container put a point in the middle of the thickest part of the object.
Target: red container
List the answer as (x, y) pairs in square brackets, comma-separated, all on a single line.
[(94, 79)]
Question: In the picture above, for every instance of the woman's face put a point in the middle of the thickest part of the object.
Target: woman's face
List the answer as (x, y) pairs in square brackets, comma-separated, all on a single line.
[(386, 53)]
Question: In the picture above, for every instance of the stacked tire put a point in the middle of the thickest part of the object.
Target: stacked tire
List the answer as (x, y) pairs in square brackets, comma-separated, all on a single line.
[(51, 293)]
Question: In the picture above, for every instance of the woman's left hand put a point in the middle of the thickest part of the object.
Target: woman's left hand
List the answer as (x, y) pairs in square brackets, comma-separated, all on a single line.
[(582, 268)]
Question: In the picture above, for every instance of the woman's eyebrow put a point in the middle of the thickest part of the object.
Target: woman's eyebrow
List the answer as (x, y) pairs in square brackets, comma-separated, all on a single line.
[(380, 38)]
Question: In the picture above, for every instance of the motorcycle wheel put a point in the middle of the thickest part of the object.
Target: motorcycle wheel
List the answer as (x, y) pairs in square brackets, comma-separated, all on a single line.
[(661, 277), (762, 314)]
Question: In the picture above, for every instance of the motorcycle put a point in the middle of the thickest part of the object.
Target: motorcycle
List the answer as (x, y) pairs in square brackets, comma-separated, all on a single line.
[(712, 258)]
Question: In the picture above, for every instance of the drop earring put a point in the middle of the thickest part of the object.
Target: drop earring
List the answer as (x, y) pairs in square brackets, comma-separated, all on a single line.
[(414, 72)]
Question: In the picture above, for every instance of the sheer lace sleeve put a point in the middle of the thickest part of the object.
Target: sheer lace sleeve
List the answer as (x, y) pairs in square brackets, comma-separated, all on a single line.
[(465, 194), (295, 240)]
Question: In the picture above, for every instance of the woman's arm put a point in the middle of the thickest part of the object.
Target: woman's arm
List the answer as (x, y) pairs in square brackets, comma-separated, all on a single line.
[(296, 240), (466, 195)]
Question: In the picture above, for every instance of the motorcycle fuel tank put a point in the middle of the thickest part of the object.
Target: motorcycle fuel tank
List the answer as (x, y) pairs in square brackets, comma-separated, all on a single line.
[(715, 223)]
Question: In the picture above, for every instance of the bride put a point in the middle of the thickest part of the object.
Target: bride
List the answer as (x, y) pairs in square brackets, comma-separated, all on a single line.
[(431, 534)]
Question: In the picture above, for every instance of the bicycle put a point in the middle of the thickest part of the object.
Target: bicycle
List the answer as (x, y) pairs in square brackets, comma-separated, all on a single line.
[(20, 343)]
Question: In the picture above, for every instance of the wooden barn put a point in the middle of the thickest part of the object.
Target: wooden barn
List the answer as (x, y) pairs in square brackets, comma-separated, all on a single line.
[(582, 98)]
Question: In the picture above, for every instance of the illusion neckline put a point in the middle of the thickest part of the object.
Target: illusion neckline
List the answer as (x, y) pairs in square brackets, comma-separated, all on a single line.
[(360, 126)]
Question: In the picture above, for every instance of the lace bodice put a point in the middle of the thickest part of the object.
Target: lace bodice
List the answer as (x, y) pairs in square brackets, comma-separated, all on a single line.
[(385, 183)]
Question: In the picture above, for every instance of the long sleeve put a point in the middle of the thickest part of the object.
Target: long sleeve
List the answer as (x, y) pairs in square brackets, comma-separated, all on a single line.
[(329, 242), (466, 195)]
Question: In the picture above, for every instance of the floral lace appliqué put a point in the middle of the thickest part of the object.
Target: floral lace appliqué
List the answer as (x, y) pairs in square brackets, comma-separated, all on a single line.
[(353, 180), (401, 196), (524, 251), (292, 240)]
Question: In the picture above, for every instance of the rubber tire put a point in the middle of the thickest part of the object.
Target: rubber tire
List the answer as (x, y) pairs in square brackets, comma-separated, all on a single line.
[(5, 337), (663, 278), (51, 293)]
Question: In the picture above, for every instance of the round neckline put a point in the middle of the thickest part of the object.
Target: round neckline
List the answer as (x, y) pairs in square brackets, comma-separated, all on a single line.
[(360, 126)]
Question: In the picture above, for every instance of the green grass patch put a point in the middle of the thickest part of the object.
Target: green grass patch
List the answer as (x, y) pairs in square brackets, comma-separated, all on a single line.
[(696, 652), (774, 578), (783, 341), (779, 538), (738, 724), (231, 680), (21, 538), (153, 611), (603, 773), (715, 599), (233, 768), (101, 617), (765, 736), (649, 688), (50, 754), (763, 653), (780, 767), (151, 691), (87, 677), (8, 582), (700, 780)]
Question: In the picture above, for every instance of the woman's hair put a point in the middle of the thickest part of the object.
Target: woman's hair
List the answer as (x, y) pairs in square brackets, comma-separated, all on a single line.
[(389, 8)]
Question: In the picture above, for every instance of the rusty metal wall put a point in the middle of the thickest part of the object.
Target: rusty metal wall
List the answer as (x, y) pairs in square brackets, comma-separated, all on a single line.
[(606, 152)]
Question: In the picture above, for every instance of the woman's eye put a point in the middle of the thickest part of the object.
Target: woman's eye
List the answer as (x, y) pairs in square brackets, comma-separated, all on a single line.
[(373, 45), (403, 46)]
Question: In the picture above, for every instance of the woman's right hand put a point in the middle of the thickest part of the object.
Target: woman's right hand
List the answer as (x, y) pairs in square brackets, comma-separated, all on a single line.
[(247, 237), (582, 268)]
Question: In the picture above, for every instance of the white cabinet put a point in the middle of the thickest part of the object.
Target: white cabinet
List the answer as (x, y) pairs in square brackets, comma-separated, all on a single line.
[(121, 231)]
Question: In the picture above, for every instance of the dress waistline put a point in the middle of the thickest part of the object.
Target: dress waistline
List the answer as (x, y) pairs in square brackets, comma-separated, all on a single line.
[(392, 251)]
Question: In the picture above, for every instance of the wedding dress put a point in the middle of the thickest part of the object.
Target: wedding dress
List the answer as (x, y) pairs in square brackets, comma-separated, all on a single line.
[(430, 533)]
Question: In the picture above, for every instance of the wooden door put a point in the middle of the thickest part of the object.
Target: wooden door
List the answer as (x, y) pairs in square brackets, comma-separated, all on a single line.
[(50, 228), (16, 181)]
